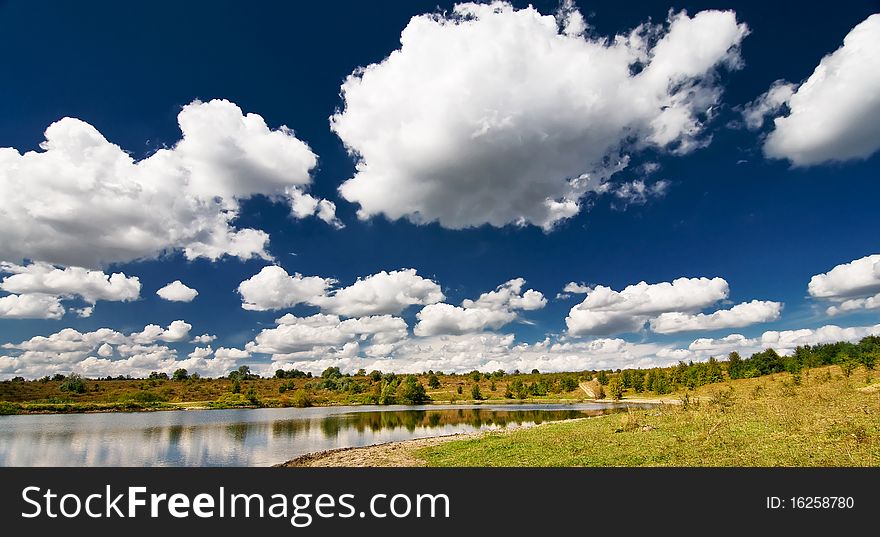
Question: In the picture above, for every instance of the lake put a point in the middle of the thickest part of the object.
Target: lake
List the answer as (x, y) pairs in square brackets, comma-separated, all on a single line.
[(248, 437)]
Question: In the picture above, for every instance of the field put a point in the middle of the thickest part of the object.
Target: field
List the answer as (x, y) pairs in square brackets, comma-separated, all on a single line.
[(824, 419), (17, 396)]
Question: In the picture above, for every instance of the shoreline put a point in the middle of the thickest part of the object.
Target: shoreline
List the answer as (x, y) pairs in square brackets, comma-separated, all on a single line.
[(206, 405), (397, 453)]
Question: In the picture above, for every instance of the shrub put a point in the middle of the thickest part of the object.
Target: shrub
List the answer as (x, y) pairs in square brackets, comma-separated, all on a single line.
[(412, 392), (236, 386), (433, 381), (301, 399), (476, 395), (73, 384), (459, 389)]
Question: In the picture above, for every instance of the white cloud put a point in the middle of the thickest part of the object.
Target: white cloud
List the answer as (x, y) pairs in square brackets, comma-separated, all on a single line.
[(849, 286), (381, 293), (576, 288), (491, 310), (38, 288), (319, 334), (638, 192), (176, 291), (224, 353), (835, 114), (606, 311), (204, 339), (176, 332), (745, 314), (273, 288), (852, 279), (30, 306), (497, 115), (83, 201), (486, 351), (767, 104)]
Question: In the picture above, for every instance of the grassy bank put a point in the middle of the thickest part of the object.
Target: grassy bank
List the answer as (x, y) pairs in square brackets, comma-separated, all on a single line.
[(822, 419)]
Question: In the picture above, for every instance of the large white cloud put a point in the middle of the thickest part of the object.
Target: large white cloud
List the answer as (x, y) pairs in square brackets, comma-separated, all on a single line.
[(177, 291), (38, 288), (273, 288), (91, 285), (323, 334), (381, 293), (491, 310), (30, 306), (606, 311), (497, 115), (835, 114), (84, 201), (849, 286), (745, 314)]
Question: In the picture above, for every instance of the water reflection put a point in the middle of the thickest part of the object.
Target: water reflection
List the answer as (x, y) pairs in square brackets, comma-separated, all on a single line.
[(246, 437)]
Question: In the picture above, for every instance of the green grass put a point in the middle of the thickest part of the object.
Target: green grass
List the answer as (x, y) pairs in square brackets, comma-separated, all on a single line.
[(826, 420)]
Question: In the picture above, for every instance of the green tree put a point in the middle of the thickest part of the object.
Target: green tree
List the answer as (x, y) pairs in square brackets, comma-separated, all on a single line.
[(412, 392), (615, 388), (180, 374), (236, 386), (433, 381), (476, 395), (603, 378), (459, 390), (73, 384)]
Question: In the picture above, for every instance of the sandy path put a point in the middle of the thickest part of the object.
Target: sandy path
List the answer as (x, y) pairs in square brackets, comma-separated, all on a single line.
[(389, 454)]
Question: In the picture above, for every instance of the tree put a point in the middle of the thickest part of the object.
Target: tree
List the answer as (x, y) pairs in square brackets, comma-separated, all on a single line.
[(236, 386), (73, 384), (375, 376), (734, 365), (433, 381), (476, 395), (535, 372), (412, 392), (603, 378), (180, 374), (615, 388), (459, 390), (476, 376)]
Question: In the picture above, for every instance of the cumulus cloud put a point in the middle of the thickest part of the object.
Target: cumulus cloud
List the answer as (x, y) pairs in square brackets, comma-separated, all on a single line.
[(324, 335), (496, 115), (108, 352), (606, 311), (835, 114), (176, 291), (273, 288), (83, 201), (491, 310), (745, 314), (37, 290), (849, 286), (381, 293), (30, 307)]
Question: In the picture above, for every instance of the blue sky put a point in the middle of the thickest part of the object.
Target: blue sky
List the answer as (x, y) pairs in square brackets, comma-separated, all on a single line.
[(724, 208)]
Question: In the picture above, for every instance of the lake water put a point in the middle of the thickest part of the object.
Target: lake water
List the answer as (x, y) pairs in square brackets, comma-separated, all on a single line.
[(248, 437)]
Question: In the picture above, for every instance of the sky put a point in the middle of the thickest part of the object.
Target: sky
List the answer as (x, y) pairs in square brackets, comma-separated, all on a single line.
[(412, 185)]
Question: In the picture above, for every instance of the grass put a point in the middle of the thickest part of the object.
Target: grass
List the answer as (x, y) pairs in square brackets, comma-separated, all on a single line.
[(825, 419)]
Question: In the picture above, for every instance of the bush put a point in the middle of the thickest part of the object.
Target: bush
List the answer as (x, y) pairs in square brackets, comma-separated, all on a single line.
[(412, 392), (236, 386), (433, 381), (301, 399), (459, 390), (476, 395), (73, 384)]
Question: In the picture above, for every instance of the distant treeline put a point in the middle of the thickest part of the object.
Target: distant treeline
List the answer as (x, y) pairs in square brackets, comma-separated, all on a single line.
[(388, 388)]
